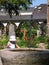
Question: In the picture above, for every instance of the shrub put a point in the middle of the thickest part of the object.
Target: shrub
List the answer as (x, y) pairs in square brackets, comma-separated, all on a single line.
[(3, 42), (22, 43)]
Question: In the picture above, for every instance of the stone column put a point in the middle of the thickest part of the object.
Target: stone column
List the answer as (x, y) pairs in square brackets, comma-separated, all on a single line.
[(38, 33), (48, 19), (11, 30), (4, 28), (0, 33)]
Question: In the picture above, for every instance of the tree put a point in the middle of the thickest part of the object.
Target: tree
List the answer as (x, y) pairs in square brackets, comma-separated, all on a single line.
[(14, 5)]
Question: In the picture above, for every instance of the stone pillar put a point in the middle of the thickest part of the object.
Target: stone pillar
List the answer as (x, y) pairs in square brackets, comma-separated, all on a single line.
[(47, 29), (38, 33), (48, 19), (4, 28), (0, 33), (11, 30)]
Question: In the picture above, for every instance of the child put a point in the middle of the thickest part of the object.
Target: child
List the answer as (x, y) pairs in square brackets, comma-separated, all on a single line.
[(12, 43)]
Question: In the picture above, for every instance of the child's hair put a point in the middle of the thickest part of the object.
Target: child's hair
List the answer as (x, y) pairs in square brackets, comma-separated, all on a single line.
[(13, 42)]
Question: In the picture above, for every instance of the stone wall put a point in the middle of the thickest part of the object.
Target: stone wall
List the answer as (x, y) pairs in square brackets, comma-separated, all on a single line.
[(25, 57)]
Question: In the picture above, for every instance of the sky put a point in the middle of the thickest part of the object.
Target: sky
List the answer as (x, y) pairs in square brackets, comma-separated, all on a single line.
[(38, 2)]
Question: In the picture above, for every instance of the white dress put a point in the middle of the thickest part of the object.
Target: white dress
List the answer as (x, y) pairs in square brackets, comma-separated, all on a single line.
[(11, 45)]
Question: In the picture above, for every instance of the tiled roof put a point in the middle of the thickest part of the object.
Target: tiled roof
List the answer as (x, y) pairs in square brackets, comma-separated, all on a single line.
[(39, 13)]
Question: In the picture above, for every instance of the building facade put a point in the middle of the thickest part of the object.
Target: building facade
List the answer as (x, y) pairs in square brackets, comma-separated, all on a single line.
[(36, 14)]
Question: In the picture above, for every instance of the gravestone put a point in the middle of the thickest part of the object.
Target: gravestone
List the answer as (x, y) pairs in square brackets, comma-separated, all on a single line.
[(11, 30)]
